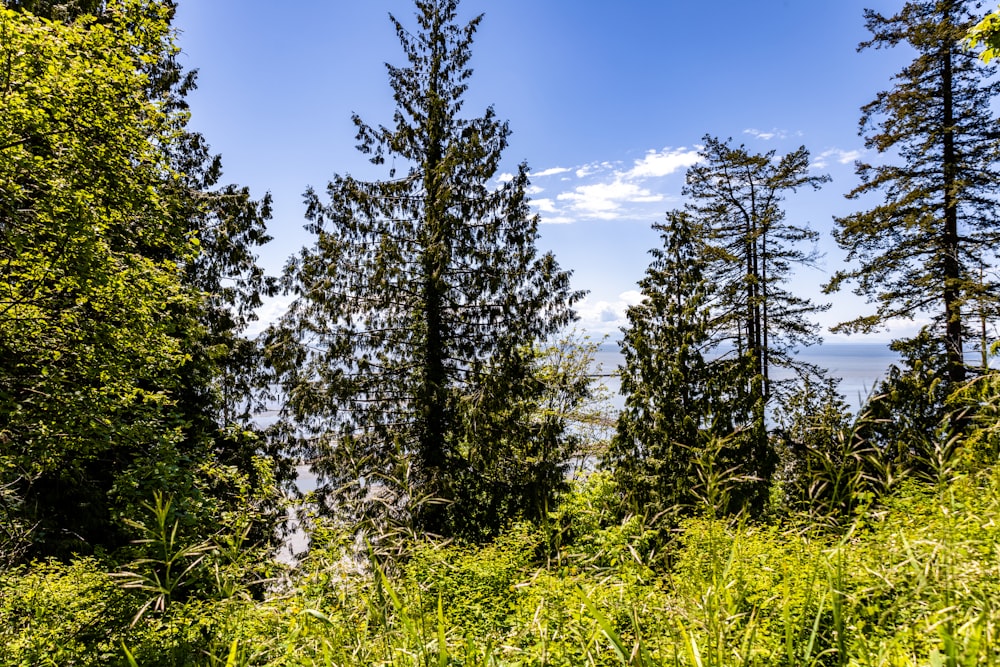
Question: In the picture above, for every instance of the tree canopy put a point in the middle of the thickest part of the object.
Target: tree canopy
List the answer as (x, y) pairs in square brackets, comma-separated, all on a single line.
[(116, 322)]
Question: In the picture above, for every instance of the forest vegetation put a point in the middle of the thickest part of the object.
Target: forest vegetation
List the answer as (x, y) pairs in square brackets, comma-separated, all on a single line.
[(477, 501)]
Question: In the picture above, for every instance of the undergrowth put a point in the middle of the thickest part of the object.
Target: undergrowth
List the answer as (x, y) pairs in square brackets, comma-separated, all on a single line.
[(914, 580)]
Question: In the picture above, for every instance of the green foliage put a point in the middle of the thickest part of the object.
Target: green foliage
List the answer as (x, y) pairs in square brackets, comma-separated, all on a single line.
[(407, 357), (980, 398), (912, 581), (476, 587), (985, 34), (168, 566), (127, 279), (716, 318), (829, 469), (907, 420), (62, 614), (923, 248)]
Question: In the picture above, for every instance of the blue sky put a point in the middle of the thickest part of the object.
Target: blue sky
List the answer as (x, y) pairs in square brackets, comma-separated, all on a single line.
[(607, 102)]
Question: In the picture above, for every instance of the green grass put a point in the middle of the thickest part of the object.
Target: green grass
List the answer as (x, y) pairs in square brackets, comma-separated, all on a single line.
[(913, 581)]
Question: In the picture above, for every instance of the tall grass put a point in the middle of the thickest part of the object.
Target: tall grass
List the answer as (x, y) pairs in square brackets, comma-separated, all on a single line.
[(913, 581)]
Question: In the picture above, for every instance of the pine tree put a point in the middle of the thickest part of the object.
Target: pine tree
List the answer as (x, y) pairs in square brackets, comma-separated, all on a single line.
[(407, 355), (922, 250)]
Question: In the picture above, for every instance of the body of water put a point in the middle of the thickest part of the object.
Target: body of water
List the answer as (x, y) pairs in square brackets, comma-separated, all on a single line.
[(860, 367)]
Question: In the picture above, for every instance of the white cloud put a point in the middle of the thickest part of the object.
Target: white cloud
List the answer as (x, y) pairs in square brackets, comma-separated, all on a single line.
[(505, 177), (269, 312), (534, 190), (544, 205), (605, 200), (766, 135), (557, 220), (663, 163), (822, 161), (609, 190), (606, 317), (631, 297), (552, 171)]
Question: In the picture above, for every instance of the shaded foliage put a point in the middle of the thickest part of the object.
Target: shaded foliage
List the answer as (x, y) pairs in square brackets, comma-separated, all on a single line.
[(128, 277)]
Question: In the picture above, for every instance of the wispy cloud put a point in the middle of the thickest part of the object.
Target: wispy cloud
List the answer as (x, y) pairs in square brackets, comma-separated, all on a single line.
[(822, 161), (609, 190), (605, 200), (663, 163), (552, 171), (766, 135)]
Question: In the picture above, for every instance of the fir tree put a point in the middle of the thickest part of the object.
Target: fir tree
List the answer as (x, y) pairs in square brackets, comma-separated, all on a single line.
[(697, 359), (407, 357), (922, 250), (736, 196)]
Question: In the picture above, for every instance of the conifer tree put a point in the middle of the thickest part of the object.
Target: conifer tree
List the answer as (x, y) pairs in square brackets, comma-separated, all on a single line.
[(697, 358), (921, 250), (665, 379), (736, 196), (407, 354)]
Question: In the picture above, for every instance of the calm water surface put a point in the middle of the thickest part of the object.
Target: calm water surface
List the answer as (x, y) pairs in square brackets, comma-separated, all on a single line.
[(859, 366)]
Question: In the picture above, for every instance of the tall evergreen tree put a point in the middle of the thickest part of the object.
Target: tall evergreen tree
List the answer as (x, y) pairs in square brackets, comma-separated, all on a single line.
[(669, 412), (407, 354), (697, 358), (736, 196), (922, 250)]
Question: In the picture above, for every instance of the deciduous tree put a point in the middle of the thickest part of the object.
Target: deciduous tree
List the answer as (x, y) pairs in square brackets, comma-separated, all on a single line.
[(127, 277)]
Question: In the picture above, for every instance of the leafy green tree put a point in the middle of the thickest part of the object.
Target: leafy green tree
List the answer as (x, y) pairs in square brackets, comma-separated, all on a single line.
[(985, 34), (922, 250), (58, 10), (127, 279), (407, 356), (83, 315)]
